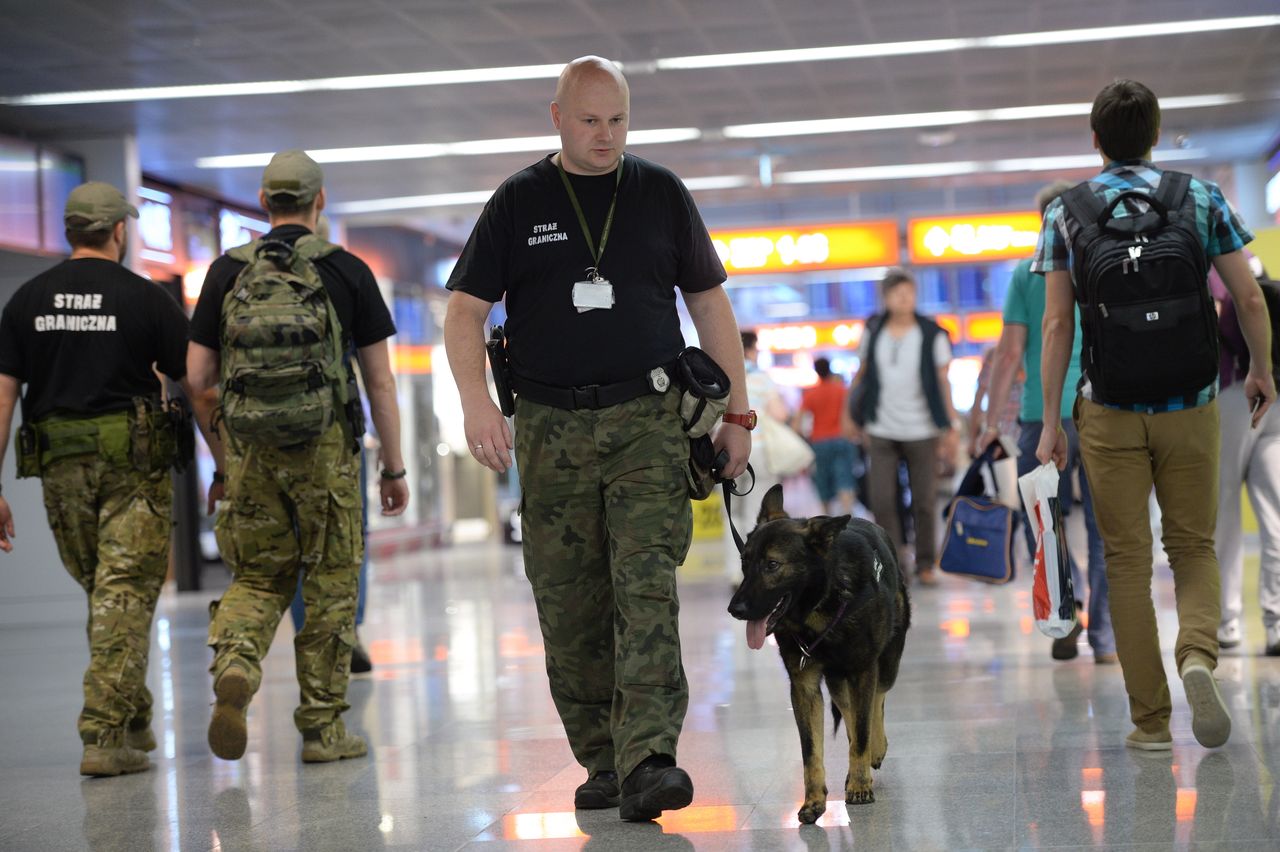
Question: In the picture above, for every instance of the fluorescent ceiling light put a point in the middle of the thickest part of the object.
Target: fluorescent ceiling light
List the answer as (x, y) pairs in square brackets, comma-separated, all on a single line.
[(865, 173), (719, 60), (948, 118), (428, 150), (716, 182), (947, 45), (413, 202), (284, 87), (967, 167)]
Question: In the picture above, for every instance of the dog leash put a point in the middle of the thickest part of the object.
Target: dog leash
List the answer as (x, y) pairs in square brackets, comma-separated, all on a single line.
[(727, 485)]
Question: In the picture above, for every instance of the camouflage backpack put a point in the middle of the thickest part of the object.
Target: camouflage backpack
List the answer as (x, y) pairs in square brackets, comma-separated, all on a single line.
[(283, 378)]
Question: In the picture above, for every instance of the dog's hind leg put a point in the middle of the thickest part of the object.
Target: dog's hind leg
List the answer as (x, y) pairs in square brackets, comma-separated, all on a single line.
[(856, 699), (879, 740), (806, 704)]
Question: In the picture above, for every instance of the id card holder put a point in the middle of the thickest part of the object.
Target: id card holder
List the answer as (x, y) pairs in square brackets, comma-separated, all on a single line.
[(590, 295)]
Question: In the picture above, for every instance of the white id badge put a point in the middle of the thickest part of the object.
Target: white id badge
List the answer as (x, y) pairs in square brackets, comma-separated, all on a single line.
[(589, 295)]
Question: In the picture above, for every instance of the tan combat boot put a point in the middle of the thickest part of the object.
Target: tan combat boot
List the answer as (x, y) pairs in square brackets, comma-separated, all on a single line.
[(228, 729), (333, 743), (141, 739), (106, 761)]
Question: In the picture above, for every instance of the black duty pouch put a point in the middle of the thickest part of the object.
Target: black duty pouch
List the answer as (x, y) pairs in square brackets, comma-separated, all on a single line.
[(704, 467), (28, 451), (500, 364), (704, 391), (184, 434)]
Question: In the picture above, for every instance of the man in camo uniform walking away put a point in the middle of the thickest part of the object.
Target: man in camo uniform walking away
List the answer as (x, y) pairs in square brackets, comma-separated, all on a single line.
[(275, 329), (83, 337)]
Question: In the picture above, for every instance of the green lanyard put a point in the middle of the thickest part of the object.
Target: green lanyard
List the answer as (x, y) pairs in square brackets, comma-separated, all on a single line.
[(582, 220)]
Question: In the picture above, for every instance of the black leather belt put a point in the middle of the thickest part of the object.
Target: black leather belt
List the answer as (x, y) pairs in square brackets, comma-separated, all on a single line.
[(588, 396)]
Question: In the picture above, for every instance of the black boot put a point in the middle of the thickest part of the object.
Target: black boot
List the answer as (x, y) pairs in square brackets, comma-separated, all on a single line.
[(656, 785), (598, 791)]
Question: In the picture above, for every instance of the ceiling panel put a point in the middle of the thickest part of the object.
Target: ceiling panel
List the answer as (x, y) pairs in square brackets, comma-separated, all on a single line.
[(77, 44)]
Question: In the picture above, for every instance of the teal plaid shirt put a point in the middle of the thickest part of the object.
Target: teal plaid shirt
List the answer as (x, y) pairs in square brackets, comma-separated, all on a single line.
[(1221, 229)]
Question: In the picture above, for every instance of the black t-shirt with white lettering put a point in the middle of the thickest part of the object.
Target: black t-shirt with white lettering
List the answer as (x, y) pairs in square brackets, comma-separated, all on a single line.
[(529, 248), (83, 336), (347, 279)]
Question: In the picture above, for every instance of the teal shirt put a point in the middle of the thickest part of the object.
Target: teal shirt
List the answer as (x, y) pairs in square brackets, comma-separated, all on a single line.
[(1024, 305)]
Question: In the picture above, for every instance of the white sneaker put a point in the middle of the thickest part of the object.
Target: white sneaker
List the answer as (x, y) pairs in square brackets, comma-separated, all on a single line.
[(1229, 635)]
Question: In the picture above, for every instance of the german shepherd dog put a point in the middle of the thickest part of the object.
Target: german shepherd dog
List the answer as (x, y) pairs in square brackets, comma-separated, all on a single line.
[(831, 592)]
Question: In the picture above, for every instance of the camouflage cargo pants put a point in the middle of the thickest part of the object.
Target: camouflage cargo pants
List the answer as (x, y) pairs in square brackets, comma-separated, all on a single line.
[(292, 512), (606, 520), (112, 525)]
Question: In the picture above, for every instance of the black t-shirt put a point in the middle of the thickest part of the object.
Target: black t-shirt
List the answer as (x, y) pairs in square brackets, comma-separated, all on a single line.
[(529, 247), (356, 299), (83, 336)]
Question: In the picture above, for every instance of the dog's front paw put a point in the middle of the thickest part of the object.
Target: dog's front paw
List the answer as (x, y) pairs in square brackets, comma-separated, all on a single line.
[(859, 797), (811, 811)]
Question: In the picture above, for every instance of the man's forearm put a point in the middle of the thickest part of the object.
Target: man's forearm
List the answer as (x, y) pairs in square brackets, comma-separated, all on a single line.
[(712, 315), (1055, 357), (202, 406), (465, 345), (8, 402), (386, 419), (1003, 367), (1256, 328)]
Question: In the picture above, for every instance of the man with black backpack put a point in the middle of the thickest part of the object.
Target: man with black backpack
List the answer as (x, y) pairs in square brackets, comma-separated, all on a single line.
[(274, 330), (1133, 246)]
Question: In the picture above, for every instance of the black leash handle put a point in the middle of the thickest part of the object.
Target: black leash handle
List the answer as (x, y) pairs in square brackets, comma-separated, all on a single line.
[(729, 492)]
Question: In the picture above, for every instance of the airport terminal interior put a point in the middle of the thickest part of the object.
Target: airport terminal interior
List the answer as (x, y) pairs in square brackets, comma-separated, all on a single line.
[(824, 143)]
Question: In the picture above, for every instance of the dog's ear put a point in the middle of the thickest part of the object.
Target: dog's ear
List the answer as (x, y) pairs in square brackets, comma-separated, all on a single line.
[(821, 532), (771, 508)]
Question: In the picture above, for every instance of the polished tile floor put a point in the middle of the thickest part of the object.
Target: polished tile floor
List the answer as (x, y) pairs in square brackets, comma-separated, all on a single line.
[(992, 744)]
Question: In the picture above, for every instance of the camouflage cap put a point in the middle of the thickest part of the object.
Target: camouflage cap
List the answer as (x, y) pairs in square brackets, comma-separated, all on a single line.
[(293, 173), (97, 205)]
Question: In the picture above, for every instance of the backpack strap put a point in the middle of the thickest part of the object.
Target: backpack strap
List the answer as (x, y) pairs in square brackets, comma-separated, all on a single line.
[(245, 253), (313, 247), (1172, 191), (1083, 206)]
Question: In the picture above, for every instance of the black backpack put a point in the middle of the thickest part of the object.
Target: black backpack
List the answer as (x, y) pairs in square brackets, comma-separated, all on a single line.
[(1150, 328)]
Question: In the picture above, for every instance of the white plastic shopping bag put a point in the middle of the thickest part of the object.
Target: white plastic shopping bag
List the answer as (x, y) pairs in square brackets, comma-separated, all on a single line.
[(1052, 596)]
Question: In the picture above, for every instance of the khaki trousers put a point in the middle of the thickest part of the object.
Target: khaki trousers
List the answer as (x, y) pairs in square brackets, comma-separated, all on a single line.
[(1125, 454)]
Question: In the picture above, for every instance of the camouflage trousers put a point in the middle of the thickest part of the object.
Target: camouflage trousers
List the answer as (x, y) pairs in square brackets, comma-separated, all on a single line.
[(605, 521), (291, 513), (112, 525)]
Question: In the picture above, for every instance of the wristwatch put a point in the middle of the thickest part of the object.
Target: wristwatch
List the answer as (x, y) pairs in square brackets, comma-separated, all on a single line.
[(746, 421)]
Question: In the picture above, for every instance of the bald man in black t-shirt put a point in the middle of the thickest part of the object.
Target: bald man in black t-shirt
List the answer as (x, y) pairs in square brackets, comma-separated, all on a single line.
[(588, 249)]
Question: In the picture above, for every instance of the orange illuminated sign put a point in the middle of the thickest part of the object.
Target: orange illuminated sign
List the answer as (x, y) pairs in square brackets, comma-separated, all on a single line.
[(809, 335), (960, 239), (411, 360), (847, 246), (983, 327)]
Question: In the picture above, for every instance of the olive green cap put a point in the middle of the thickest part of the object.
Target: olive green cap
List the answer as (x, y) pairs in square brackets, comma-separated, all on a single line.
[(97, 205), (292, 173)]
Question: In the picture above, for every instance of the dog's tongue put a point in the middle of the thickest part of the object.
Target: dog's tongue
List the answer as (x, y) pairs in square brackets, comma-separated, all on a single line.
[(756, 631)]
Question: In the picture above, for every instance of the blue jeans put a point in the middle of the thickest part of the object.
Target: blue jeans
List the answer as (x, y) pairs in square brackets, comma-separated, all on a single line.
[(1101, 639), (296, 609)]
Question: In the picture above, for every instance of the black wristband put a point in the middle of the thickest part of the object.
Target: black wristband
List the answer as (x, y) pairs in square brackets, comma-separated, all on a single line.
[(219, 477), (398, 474)]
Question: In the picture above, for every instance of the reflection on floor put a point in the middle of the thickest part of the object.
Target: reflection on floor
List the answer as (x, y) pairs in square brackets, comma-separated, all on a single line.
[(992, 744)]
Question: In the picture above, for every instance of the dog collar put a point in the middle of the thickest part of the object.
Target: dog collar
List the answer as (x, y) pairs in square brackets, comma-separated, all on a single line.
[(807, 650)]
